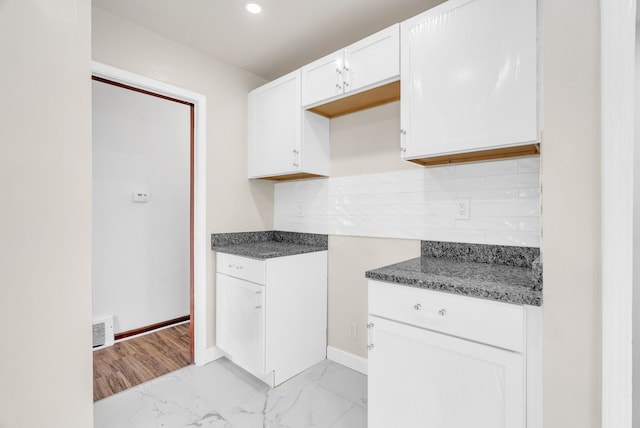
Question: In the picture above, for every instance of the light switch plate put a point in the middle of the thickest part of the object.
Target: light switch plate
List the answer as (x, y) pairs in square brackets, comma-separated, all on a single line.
[(140, 197)]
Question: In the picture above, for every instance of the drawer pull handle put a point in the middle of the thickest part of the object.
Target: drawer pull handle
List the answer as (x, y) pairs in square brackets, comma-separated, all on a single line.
[(239, 267), (258, 306), (442, 312), (417, 306), (231, 266), (370, 347), (370, 325)]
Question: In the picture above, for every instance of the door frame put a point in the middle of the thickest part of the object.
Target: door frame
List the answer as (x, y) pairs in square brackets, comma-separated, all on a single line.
[(199, 101), (617, 23)]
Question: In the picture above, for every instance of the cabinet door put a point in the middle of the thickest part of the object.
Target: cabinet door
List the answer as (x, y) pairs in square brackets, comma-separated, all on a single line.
[(240, 326), (373, 60), (469, 76), (275, 127), (322, 79), (419, 378)]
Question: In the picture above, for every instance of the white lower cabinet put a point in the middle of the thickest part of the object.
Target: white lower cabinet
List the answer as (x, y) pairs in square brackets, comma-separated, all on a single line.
[(426, 368), (271, 315), (241, 321)]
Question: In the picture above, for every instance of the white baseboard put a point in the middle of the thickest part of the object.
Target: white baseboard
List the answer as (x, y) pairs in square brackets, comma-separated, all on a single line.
[(347, 359)]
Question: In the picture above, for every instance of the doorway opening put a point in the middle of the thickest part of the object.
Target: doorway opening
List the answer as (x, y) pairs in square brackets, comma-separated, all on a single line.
[(143, 216)]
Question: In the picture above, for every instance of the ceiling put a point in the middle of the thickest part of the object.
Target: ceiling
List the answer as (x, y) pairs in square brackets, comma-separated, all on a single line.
[(286, 35)]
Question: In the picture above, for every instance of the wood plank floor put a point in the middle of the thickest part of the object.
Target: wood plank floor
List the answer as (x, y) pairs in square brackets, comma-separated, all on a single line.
[(134, 361)]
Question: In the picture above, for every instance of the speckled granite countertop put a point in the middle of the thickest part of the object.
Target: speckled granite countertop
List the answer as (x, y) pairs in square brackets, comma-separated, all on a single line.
[(506, 274), (268, 244)]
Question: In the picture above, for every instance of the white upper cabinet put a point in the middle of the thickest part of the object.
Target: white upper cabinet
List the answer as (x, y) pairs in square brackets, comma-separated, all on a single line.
[(371, 62), (469, 77), (284, 139), (322, 79)]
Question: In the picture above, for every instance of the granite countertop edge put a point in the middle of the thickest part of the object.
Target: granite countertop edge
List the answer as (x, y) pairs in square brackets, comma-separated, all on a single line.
[(268, 244), (495, 289)]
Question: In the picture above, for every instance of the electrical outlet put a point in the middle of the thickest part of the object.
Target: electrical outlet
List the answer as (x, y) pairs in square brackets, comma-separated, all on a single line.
[(353, 329), (462, 209)]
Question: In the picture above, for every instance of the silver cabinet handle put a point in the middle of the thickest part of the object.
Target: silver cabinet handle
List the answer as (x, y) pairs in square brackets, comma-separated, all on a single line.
[(339, 78), (403, 138), (370, 334), (345, 79), (296, 155), (417, 306), (442, 312), (258, 306)]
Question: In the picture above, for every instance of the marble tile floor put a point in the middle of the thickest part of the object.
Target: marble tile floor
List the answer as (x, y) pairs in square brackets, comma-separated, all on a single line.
[(220, 394)]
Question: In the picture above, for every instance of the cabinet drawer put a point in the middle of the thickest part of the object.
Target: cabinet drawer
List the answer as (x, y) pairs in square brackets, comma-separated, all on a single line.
[(241, 267), (494, 323)]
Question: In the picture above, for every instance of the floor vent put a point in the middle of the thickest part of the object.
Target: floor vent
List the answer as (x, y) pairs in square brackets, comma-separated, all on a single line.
[(102, 333)]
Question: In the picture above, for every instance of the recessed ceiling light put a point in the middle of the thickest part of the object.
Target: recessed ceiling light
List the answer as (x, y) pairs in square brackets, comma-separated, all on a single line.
[(253, 7)]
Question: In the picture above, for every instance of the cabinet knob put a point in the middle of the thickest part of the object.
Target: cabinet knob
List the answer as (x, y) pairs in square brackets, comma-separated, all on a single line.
[(417, 306), (442, 312)]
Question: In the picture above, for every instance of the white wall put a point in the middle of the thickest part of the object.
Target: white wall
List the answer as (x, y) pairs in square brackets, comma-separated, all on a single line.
[(233, 202), (140, 271), (45, 219), (571, 214)]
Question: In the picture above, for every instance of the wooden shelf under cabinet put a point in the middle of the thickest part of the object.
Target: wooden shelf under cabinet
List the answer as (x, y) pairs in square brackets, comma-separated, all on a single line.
[(362, 100), (482, 155), (294, 176)]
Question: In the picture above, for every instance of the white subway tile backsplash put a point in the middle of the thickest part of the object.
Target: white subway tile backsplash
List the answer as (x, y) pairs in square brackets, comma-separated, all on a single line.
[(529, 164), (489, 195), (513, 180), (529, 194), (520, 239), (505, 209), (504, 199), (483, 169), (455, 184), (436, 173)]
